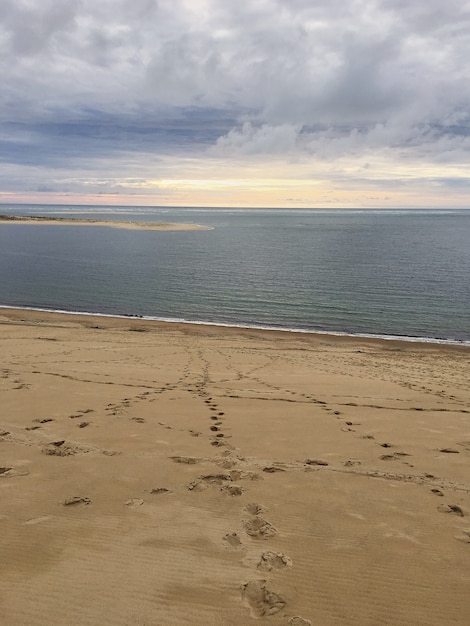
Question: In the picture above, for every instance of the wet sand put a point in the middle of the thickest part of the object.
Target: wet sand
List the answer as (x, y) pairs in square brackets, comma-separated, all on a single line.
[(170, 474), (131, 225)]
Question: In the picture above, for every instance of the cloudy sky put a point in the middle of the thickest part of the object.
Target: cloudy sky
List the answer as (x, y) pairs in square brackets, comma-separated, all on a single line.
[(292, 103)]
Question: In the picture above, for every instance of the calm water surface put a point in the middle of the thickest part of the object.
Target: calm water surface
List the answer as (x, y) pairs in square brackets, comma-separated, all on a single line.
[(389, 273)]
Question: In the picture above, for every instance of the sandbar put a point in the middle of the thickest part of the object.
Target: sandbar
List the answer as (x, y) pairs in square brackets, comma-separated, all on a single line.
[(65, 221), (173, 474)]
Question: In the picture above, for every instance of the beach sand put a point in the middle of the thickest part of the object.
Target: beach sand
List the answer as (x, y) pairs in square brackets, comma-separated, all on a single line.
[(128, 225), (167, 474)]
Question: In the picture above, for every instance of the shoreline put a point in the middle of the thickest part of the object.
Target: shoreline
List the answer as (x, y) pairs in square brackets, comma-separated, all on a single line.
[(31, 314), (65, 221)]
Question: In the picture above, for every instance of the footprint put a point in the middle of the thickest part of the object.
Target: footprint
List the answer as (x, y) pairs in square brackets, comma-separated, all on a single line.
[(197, 486), (274, 560), (76, 500), (217, 479), (299, 621), (134, 502), (225, 463), (55, 449), (233, 540), (232, 490), (204, 481), (260, 600), (437, 492), (259, 528), (255, 509), (186, 460), (160, 490), (449, 450), (393, 457), (451, 508), (61, 448), (271, 469), (315, 462), (236, 474)]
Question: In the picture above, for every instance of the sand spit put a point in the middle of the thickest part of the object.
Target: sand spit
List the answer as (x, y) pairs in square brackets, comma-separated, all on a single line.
[(226, 477), (65, 221)]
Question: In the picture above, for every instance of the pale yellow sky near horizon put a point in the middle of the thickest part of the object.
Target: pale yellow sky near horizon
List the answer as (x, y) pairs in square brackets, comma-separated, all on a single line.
[(242, 194), (351, 183)]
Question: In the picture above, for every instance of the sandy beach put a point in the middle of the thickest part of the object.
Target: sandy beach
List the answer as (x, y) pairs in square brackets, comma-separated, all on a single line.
[(157, 474), (128, 225)]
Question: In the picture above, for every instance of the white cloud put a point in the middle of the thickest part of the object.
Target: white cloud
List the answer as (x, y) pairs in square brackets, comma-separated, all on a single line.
[(275, 140)]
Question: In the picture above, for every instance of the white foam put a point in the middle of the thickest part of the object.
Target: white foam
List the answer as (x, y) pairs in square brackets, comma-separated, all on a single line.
[(177, 320)]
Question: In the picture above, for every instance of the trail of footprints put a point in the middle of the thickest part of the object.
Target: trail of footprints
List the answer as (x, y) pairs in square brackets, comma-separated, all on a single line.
[(395, 455), (255, 593), (347, 425), (217, 433), (255, 528)]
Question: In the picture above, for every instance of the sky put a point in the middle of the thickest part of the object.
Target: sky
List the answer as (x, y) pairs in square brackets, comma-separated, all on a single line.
[(277, 103)]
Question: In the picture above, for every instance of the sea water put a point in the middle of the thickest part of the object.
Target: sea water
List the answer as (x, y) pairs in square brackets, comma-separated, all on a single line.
[(389, 273)]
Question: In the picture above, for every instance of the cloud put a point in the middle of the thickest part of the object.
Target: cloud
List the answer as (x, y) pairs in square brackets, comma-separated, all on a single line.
[(265, 139), (31, 28), (138, 83)]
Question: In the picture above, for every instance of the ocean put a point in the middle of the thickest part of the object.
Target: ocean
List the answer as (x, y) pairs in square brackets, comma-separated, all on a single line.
[(387, 273)]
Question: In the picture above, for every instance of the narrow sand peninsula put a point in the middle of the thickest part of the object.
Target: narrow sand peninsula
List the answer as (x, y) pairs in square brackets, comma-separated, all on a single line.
[(163, 475), (65, 221)]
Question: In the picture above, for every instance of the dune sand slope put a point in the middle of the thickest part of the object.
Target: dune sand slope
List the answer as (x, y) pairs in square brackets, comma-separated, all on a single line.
[(156, 474)]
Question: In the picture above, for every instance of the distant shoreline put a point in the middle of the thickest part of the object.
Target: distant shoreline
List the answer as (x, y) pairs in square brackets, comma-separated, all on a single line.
[(66, 221)]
